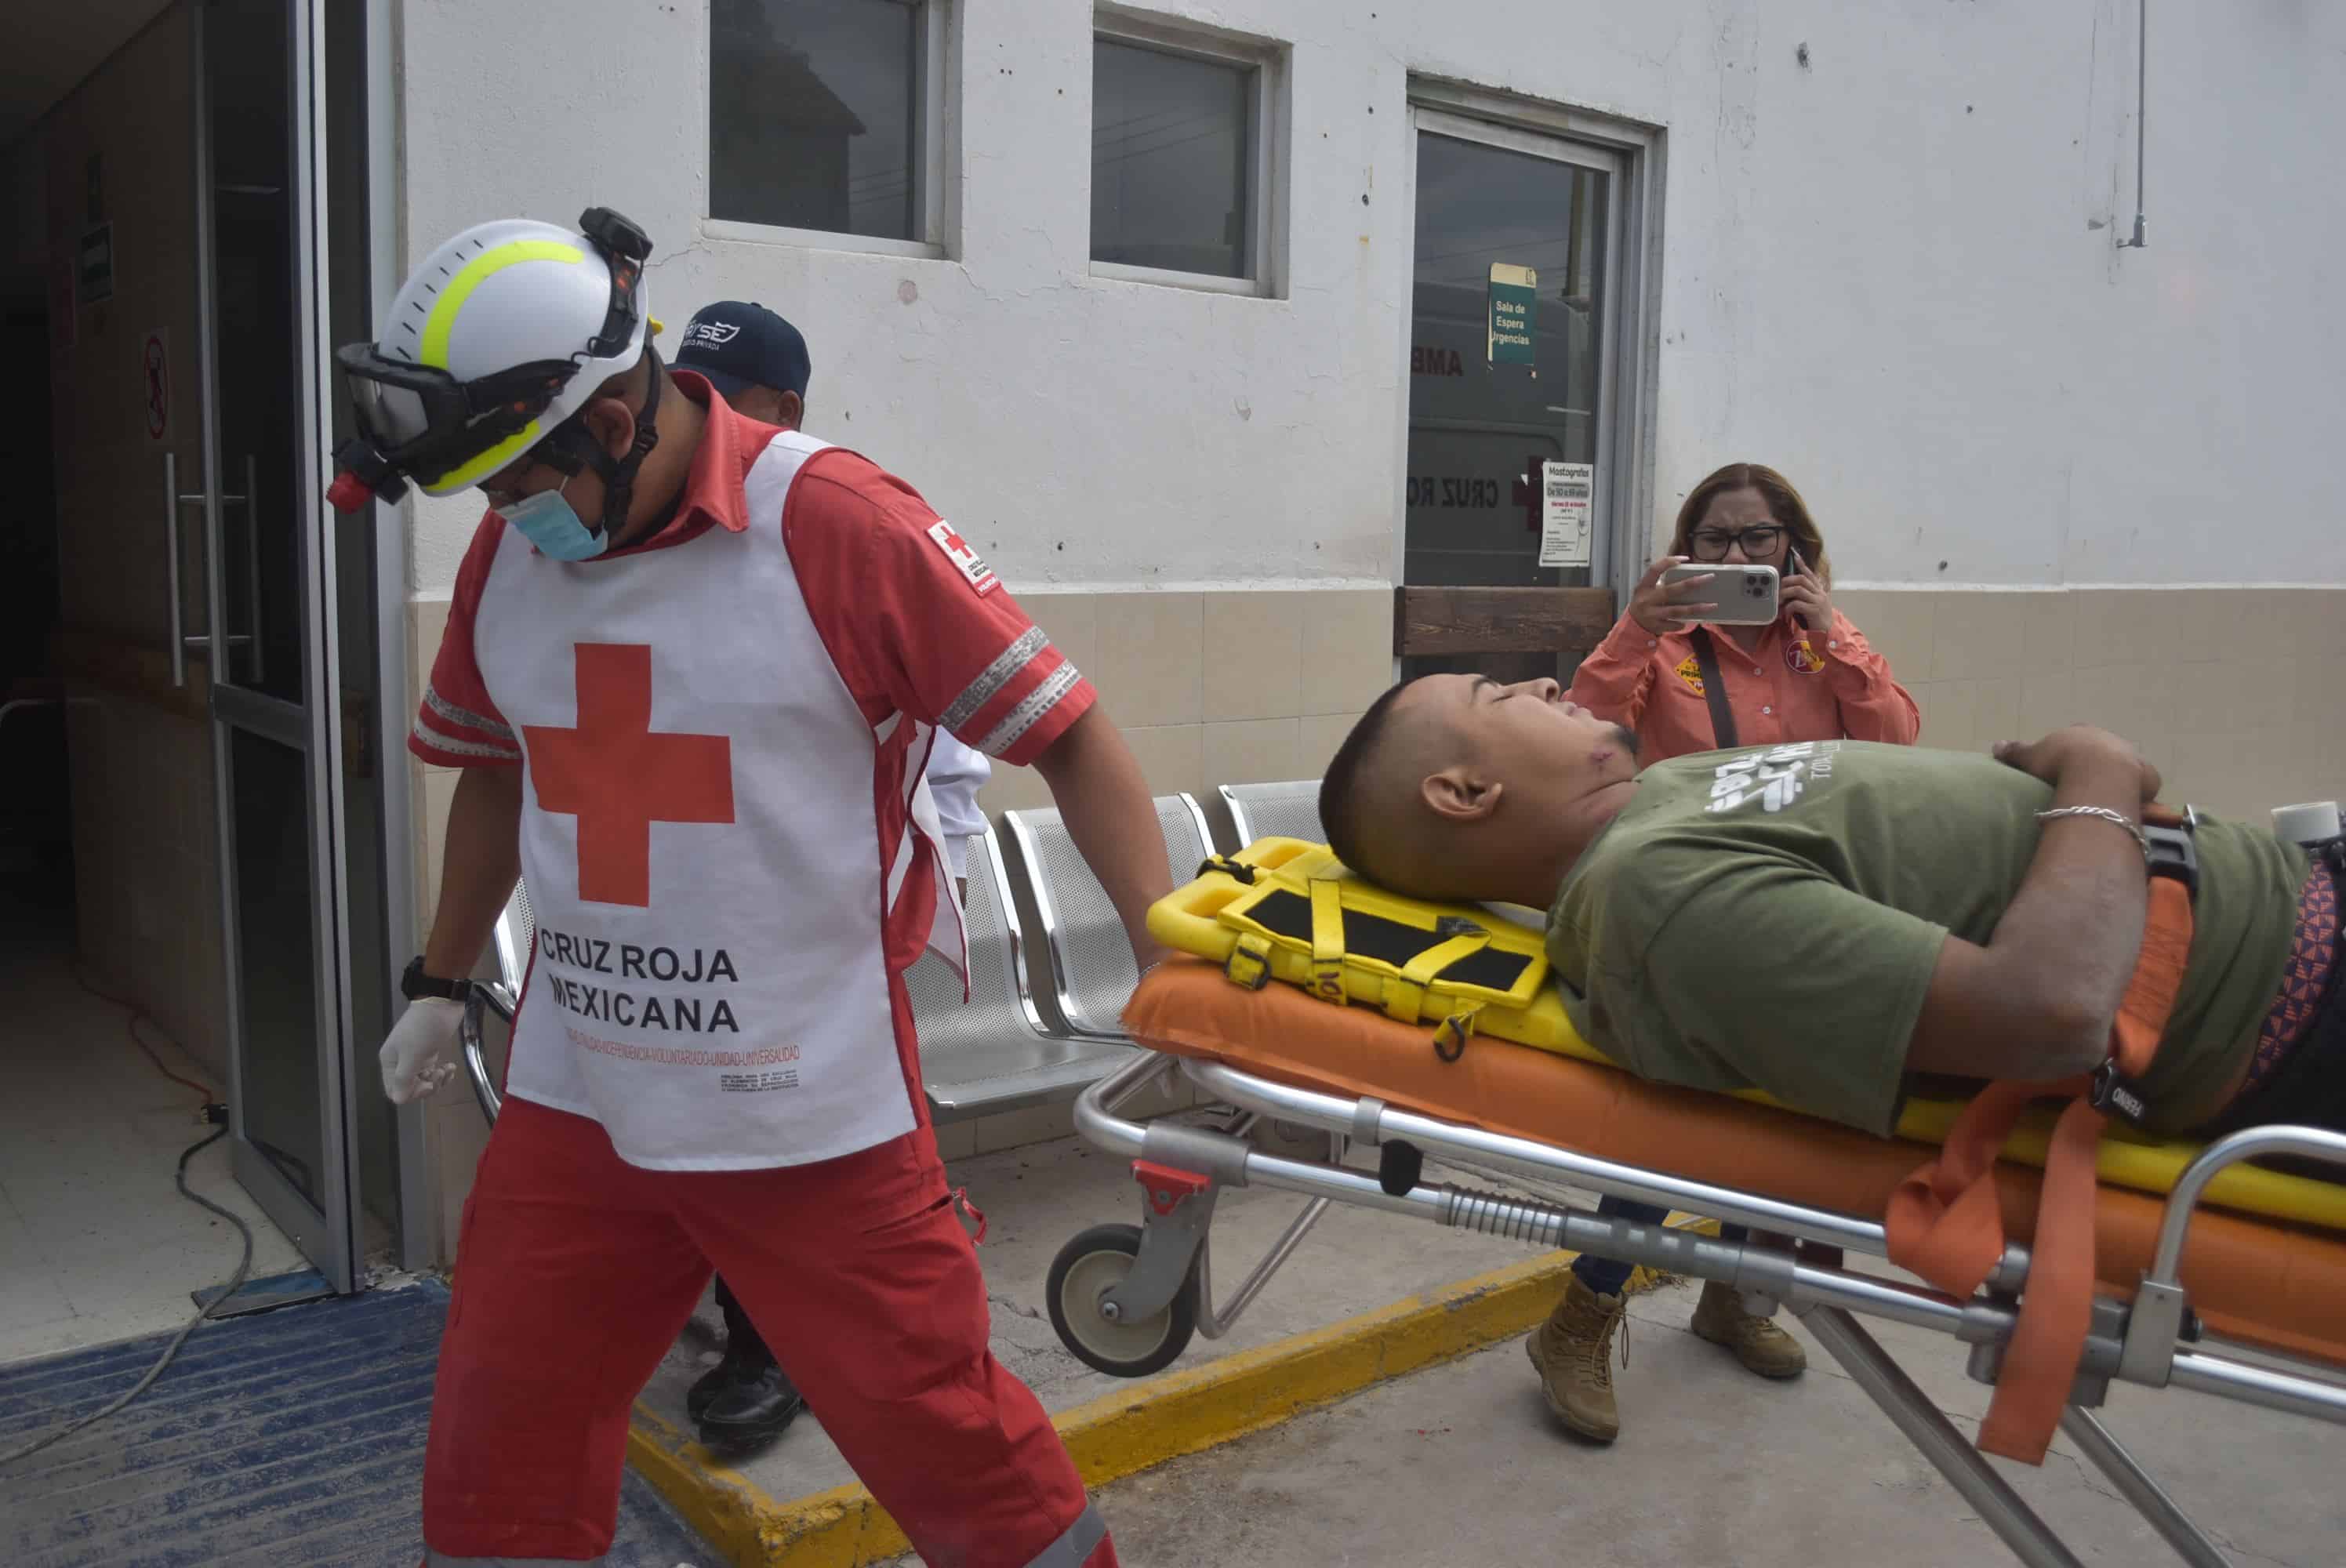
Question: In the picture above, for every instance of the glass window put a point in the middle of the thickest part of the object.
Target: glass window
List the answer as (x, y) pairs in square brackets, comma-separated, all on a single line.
[(1172, 160), (814, 113)]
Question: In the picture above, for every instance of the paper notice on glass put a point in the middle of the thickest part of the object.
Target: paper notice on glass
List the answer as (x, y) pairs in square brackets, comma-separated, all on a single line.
[(1568, 492)]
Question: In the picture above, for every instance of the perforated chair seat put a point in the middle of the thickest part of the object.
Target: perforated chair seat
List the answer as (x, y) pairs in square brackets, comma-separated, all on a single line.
[(994, 1053), (1093, 971), (1287, 810)]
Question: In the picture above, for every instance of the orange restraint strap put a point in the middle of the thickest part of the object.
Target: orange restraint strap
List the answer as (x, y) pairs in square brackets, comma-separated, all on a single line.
[(1944, 1225)]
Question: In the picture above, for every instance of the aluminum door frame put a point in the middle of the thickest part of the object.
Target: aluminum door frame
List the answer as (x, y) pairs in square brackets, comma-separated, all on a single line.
[(325, 1232)]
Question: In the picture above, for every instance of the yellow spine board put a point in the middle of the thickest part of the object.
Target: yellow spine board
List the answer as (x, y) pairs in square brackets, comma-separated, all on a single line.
[(1285, 909)]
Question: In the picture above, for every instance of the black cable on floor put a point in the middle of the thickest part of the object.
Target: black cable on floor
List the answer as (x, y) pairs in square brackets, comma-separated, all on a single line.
[(244, 1266)]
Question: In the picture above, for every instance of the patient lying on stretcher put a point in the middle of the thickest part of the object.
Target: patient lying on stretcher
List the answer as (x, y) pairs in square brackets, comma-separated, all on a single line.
[(1827, 921)]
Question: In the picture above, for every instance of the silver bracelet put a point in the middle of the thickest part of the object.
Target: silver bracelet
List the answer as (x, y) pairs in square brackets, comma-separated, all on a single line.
[(2106, 815)]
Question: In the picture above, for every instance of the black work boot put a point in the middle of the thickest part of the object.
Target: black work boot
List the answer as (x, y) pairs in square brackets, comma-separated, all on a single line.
[(744, 1400)]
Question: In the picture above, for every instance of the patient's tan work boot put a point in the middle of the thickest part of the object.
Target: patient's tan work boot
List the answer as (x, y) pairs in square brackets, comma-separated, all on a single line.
[(1758, 1342), (1573, 1352)]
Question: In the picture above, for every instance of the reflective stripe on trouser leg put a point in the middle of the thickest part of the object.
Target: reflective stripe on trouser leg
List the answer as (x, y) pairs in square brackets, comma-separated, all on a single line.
[(1074, 1549)]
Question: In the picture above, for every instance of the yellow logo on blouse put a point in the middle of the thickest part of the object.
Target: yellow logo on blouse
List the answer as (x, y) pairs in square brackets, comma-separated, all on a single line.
[(1691, 672), (1803, 660)]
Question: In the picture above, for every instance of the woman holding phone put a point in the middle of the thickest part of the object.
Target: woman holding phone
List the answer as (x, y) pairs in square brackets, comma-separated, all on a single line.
[(1809, 675), (1682, 683)]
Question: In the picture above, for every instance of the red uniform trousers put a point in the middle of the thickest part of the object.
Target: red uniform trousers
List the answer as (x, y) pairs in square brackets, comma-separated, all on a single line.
[(576, 1271)]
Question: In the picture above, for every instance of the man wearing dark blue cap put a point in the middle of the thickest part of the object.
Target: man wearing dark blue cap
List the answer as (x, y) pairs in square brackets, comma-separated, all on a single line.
[(750, 355), (759, 363)]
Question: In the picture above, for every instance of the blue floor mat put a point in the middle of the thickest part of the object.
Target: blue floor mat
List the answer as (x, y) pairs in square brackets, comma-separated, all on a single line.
[(294, 1437)]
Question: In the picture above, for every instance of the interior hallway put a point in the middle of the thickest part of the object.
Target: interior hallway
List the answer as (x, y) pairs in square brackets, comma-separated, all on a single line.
[(95, 1243)]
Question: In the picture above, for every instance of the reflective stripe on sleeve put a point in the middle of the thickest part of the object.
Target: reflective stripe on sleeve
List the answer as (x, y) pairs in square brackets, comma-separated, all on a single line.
[(1023, 718), (990, 681)]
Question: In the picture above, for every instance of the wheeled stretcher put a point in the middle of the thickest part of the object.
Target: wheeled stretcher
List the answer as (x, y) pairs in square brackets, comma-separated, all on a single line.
[(2242, 1306)]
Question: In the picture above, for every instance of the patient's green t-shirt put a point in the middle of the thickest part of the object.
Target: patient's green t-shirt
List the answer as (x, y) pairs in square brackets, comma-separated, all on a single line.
[(1770, 917)]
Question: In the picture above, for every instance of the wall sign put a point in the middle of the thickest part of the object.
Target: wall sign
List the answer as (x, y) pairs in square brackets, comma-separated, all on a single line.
[(94, 265), (155, 373), (1567, 492), (1514, 294)]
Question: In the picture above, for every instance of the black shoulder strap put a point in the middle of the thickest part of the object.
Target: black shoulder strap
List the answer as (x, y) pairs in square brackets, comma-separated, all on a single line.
[(1714, 690)]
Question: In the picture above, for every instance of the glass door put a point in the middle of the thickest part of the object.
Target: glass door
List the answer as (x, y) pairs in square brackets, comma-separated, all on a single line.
[(1510, 371), (271, 641)]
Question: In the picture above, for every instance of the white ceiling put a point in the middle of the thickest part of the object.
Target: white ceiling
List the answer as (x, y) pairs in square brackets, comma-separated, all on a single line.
[(47, 46)]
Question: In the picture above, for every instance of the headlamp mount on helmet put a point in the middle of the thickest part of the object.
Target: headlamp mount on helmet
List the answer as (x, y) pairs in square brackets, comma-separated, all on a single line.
[(624, 248), (440, 423)]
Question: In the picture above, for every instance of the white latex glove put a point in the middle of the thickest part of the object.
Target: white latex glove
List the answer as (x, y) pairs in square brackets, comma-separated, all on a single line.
[(415, 1055)]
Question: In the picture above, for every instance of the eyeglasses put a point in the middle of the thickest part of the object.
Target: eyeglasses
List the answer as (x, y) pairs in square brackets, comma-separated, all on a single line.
[(1709, 545)]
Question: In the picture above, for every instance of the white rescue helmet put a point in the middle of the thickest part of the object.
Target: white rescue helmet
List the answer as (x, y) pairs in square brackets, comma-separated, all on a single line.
[(501, 335)]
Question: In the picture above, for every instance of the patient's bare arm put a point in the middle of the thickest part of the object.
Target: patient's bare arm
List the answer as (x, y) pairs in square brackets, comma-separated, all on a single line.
[(2037, 1000)]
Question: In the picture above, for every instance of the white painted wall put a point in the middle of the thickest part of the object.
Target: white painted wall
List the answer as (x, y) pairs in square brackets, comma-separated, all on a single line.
[(1891, 273)]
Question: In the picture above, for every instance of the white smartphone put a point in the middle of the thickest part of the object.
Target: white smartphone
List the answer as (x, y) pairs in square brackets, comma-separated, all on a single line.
[(1746, 595)]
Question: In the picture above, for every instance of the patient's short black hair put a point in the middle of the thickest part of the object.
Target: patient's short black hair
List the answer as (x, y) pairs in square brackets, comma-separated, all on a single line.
[(1340, 806)]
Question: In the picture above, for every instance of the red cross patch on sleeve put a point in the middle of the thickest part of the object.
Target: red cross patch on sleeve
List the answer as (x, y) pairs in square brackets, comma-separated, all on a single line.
[(965, 560)]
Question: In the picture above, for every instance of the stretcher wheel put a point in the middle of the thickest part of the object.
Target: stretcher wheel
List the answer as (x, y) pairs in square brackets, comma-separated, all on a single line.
[(1085, 1269)]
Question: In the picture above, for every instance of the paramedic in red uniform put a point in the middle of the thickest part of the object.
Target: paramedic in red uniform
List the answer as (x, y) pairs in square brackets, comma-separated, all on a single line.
[(759, 363), (693, 667)]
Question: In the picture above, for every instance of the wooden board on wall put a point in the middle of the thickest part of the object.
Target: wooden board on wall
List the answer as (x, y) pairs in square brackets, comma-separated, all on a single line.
[(1500, 620)]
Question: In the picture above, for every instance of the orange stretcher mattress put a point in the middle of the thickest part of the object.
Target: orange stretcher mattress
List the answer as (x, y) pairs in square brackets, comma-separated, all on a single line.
[(2268, 1282)]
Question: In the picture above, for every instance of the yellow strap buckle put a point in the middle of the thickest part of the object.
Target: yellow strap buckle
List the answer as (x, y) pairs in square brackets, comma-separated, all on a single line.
[(1249, 962), (1405, 997)]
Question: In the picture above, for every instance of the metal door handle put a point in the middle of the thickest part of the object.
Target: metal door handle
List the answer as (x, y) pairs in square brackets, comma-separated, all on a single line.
[(251, 499), (171, 503), (181, 638)]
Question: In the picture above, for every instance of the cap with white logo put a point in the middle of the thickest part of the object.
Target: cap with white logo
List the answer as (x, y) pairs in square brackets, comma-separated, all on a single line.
[(739, 344)]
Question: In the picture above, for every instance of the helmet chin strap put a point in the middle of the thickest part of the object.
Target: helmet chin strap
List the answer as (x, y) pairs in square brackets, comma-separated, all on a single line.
[(618, 473)]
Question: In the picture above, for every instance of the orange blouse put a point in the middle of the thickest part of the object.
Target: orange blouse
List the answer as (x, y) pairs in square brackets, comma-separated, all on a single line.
[(1842, 691)]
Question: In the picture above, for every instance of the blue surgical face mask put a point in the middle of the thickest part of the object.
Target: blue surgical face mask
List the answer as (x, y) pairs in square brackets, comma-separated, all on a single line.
[(549, 521)]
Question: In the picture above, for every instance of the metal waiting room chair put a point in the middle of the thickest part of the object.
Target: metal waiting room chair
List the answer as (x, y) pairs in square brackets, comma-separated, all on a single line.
[(1287, 810), (995, 1053), (1092, 969)]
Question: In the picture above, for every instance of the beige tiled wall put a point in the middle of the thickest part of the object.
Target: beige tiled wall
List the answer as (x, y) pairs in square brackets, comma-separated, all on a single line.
[(2233, 692), (147, 863)]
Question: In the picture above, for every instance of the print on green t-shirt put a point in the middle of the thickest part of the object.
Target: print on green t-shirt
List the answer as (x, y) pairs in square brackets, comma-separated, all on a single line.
[(1770, 917)]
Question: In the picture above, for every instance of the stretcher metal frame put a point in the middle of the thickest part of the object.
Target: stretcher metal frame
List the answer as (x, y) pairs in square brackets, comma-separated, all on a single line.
[(1795, 1257)]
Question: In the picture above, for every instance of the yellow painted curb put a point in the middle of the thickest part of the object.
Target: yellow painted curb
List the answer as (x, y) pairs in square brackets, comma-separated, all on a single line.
[(1121, 1434)]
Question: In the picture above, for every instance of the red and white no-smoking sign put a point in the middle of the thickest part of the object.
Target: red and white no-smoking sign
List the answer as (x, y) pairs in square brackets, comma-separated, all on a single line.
[(155, 369)]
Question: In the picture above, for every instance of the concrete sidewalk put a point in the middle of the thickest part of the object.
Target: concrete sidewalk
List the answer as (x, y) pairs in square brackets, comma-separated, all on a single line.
[(1463, 1465)]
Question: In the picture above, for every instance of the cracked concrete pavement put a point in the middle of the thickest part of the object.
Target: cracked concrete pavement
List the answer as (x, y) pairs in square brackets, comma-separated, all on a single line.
[(1462, 1464)]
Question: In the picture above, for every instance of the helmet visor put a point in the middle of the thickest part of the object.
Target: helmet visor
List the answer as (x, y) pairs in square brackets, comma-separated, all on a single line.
[(427, 424), (390, 415)]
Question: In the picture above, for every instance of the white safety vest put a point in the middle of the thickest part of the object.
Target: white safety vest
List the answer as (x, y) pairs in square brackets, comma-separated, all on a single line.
[(701, 842)]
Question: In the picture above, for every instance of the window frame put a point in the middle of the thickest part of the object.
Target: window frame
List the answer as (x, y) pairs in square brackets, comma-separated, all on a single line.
[(1266, 248), (1635, 155), (934, 66)]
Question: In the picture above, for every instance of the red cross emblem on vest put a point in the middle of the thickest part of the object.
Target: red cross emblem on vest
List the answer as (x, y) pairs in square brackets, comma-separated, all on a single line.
[(618, 777)]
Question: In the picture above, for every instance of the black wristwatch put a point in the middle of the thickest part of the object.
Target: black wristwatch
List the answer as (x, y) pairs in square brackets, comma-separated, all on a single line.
[(414, 984)]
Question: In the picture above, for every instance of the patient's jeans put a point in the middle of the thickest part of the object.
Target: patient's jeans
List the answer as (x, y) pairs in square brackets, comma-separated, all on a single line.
[(1606, 1275)]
